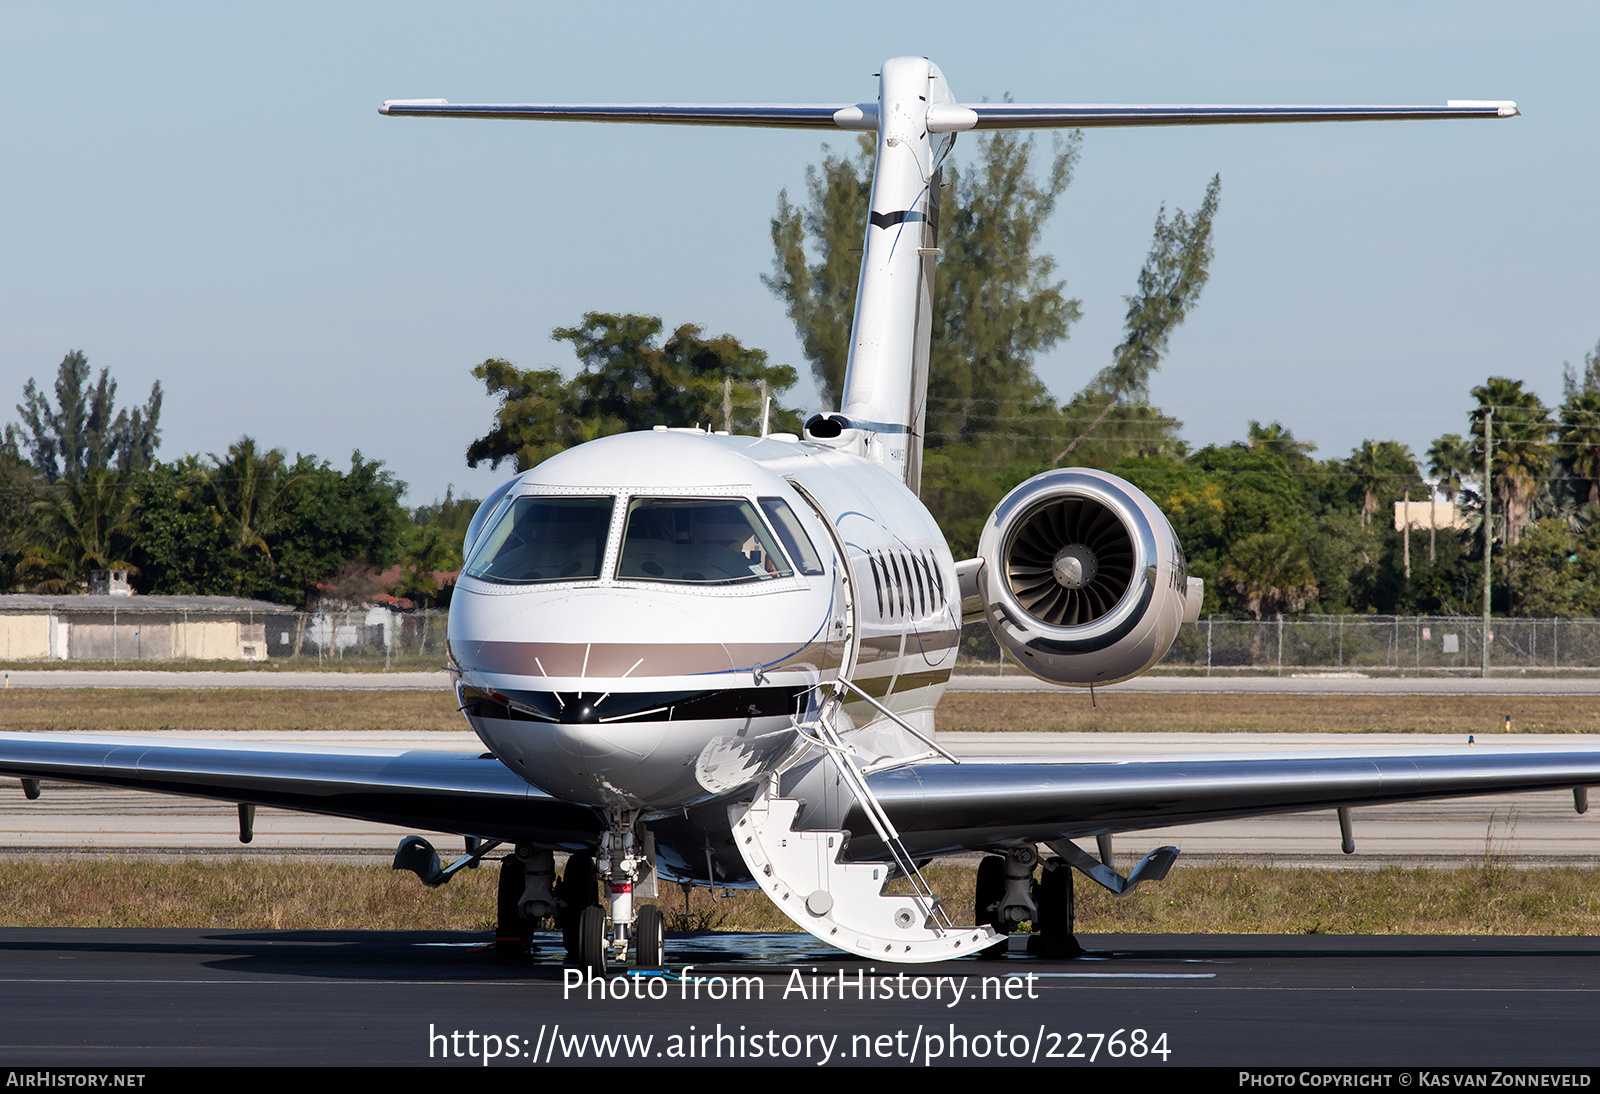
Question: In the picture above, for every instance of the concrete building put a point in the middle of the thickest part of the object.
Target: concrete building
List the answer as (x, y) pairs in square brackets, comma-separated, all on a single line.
[(120, 628)]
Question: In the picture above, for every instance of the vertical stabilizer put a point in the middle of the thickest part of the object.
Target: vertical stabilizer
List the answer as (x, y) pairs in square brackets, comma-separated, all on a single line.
[(886, 378)]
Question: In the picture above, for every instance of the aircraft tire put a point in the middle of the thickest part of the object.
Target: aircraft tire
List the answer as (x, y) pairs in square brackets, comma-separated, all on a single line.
[(513, 934), (991, 889), (650, 945), (591, 955), (574, 892), (1053, 895)]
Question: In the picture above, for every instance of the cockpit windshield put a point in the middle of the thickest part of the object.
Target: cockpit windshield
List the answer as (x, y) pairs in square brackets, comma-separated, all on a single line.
[(539, 539), (702, 541)]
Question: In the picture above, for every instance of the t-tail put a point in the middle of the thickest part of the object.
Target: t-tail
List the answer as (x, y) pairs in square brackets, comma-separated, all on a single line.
[(883, 407)]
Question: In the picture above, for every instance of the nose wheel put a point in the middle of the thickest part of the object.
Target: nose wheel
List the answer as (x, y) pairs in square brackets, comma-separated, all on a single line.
[(649, 938), (595, 938), (592, 949)]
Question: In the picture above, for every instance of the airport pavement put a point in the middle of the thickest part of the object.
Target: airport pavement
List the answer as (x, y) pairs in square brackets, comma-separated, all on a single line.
[(132, 999), (1526, 829), (1322, 683)]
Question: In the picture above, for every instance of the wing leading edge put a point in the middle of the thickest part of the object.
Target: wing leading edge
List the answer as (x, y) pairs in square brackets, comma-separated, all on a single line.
[(978, 805), (461, 792)]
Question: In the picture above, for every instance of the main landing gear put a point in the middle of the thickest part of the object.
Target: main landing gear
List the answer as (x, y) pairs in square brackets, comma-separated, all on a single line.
[(525, 900), (1008, 896)]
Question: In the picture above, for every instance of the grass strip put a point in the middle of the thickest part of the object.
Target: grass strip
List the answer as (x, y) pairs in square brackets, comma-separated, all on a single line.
[(1450, 714), (1481, 899), (101, 710), (91, 710)]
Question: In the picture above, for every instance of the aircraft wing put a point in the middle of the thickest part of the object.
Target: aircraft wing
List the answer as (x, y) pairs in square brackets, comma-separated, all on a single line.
[(944, 808), (461, 792)]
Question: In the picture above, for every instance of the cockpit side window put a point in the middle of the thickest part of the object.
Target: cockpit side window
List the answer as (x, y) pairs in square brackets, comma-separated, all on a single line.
[(541, 539), (793, 534), (698, 541)]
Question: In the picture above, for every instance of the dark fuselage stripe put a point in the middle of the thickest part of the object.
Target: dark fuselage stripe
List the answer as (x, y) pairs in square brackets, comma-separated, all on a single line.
[(889, 220), (604, 660)]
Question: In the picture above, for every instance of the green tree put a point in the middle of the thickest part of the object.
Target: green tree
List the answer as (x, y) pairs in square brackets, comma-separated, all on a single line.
[(996, 305), (1346, 559), (1170, 281), (1580, 439), (536, 419), (1279, 440), (332, 521), (84, 431), (182, 546), (20, 491), (821, 293), (1450, 463), (1383, 471), (248, 488), (1522, 450), (83, 525), (628, 381), (1572, 383), (1271, 574), (431, 545)]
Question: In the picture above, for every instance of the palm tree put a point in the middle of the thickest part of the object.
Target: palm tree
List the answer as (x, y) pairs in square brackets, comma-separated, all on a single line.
[(1580, 437), (1270, 573), (1277, 439), (1381, 467), (1522, 450), (248, 488), (1364, 462), (85, 524), (1449, 461)]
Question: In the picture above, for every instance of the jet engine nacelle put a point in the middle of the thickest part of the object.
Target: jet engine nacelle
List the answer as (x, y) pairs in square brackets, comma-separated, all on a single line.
[(1082, 580)]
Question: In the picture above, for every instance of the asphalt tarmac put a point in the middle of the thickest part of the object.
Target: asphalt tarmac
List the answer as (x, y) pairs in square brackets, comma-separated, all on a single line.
[(130, 999)]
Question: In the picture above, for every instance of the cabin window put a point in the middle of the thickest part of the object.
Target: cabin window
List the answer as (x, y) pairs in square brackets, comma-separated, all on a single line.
[(894, 571), (933, 568), (793, 534), (541, 538), (698, 541), (877, 583)]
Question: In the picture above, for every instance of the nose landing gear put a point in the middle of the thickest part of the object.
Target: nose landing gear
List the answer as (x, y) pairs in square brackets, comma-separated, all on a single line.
[(627, 866)]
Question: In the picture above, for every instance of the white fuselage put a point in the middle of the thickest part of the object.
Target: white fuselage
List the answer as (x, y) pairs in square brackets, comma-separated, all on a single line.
[(620, 690)]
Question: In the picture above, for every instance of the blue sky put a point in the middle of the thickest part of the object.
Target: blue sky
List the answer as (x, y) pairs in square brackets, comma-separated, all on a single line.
[(205, 194)]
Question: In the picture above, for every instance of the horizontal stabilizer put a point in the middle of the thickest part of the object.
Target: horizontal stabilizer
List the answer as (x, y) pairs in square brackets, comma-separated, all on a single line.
[(760, 115), (942, 118), (953, 118)]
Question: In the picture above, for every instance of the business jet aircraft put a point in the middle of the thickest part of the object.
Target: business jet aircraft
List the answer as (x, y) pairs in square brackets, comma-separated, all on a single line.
[(715, 659)]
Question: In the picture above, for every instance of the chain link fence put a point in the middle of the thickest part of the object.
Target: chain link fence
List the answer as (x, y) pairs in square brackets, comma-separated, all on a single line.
[(1407, 645), (388, 639), (361, 639)]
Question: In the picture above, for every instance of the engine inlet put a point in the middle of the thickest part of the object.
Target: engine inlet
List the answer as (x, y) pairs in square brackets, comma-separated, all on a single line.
[(1070, 562)]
